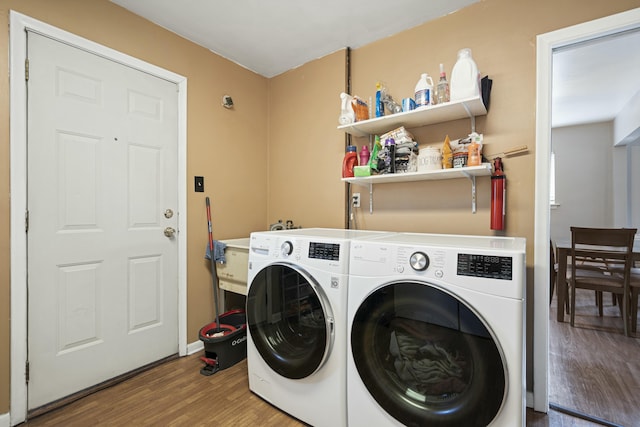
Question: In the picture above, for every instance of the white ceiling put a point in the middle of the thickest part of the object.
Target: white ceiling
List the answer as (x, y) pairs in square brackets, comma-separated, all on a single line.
[(591, 82), (271, 37)]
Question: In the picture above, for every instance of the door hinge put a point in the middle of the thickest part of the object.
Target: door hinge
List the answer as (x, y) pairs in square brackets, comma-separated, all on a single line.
[(26, 372), (26, 69), (26, 221)]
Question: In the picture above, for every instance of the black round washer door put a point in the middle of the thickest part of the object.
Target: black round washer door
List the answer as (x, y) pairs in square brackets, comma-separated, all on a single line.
[(427, 358), (289, 319)]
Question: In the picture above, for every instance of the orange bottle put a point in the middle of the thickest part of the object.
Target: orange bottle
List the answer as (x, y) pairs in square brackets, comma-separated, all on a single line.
[(474, 158)]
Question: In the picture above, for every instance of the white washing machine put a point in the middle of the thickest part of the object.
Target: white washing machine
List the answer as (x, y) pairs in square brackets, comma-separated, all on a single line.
[(296, 321), (436, 331)]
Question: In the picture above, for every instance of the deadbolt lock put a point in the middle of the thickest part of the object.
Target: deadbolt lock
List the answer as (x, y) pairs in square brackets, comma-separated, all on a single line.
[(168, 213)]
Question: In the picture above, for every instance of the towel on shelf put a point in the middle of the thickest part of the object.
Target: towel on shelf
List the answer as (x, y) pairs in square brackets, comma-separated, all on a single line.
[(218, 252)]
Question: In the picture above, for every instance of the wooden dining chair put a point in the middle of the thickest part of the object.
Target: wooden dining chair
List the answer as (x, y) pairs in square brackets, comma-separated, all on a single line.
[(601, 261)]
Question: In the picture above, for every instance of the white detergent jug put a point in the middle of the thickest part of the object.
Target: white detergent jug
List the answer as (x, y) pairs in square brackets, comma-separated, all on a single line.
[(465, 81), (424, 91), (347, 115)]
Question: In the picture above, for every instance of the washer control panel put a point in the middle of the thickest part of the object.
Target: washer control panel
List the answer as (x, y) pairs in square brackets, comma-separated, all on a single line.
[(487, 266), (328, 251)]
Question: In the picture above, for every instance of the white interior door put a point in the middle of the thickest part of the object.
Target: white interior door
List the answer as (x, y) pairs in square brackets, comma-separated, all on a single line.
[(102, 183)]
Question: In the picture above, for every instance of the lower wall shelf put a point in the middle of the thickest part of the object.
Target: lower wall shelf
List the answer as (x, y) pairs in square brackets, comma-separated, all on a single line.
[(469, 172)]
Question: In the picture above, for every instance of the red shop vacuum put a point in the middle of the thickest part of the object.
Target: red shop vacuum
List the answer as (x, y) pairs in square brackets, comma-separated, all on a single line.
[(225, 340)]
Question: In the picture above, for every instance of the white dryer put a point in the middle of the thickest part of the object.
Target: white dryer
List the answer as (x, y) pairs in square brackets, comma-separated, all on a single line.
[(436, 331), (296, 321)]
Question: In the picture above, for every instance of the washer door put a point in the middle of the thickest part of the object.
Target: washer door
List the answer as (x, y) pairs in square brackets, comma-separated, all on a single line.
[(290, 320), (427, 358)]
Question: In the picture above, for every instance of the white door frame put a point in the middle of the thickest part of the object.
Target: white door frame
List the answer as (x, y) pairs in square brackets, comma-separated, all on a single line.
[(546, 44), (18, 136)]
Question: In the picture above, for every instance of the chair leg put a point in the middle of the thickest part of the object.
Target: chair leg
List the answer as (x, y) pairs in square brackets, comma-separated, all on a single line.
[(567, 308), (599, 303), (625, 312), (634, 309), (572, 307)]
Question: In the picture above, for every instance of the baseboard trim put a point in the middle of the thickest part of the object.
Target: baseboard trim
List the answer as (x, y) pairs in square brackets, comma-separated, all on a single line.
[(5, 420), (195, 347)]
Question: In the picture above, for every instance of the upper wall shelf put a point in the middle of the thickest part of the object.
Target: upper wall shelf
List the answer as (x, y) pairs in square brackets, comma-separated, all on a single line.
[(465, 108)]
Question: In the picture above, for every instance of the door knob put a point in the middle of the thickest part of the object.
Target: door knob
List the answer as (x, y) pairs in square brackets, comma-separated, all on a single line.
[(169, 231)]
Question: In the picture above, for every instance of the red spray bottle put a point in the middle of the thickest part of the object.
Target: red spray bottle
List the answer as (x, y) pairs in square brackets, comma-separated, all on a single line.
[(498, 195)]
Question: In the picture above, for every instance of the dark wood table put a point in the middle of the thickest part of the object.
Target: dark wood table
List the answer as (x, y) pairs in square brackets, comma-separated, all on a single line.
[(563, 250)]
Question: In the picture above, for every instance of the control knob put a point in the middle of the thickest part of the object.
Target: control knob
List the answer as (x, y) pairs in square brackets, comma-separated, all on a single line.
[(286, 248), (419, 261)]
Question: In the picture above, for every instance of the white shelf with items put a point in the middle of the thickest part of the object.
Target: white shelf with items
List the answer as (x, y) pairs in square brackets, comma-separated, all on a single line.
[(448, 111), (469, 172)]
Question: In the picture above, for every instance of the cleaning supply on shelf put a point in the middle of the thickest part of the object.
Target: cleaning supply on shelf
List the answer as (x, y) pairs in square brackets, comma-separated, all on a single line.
[(360, 171), (447, 154), (373, 158), (408, 104), (347, 113), (442, 90), (424, 90), (350, 161), (430, 158), (364, 155), (475, 150), (379, 101), (389, 156), (464, 77)]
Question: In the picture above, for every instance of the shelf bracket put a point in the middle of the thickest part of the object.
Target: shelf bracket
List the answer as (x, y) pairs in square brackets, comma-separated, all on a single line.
[(370, 198), (472, 178), (471, 117)]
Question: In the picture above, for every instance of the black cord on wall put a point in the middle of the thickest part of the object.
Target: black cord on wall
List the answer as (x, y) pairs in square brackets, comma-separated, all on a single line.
[(347, 138)]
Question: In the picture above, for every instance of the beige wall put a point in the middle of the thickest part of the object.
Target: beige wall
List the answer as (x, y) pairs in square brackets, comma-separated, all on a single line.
[(283, 132), (305, 148), (227, 147)]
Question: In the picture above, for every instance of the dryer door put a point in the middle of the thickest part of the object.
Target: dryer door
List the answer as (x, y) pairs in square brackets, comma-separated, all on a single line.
[(290, 320), (427, 358)]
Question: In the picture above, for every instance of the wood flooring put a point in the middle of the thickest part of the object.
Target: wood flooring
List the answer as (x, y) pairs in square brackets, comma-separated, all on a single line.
[(594, 369)]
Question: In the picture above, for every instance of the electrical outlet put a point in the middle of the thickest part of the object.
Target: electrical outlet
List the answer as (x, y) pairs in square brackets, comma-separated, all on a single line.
[(355, 200)]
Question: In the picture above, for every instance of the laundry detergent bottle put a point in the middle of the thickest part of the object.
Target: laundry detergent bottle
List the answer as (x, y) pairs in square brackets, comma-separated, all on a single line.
[(350, 161), (465, 81), (424, 91)]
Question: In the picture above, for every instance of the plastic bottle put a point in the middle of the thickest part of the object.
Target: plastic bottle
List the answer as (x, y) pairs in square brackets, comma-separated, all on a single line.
[(442, 90), (379, 103), (364, 155), (350, 161), (424, 90), (464, 77), (474, 153)]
